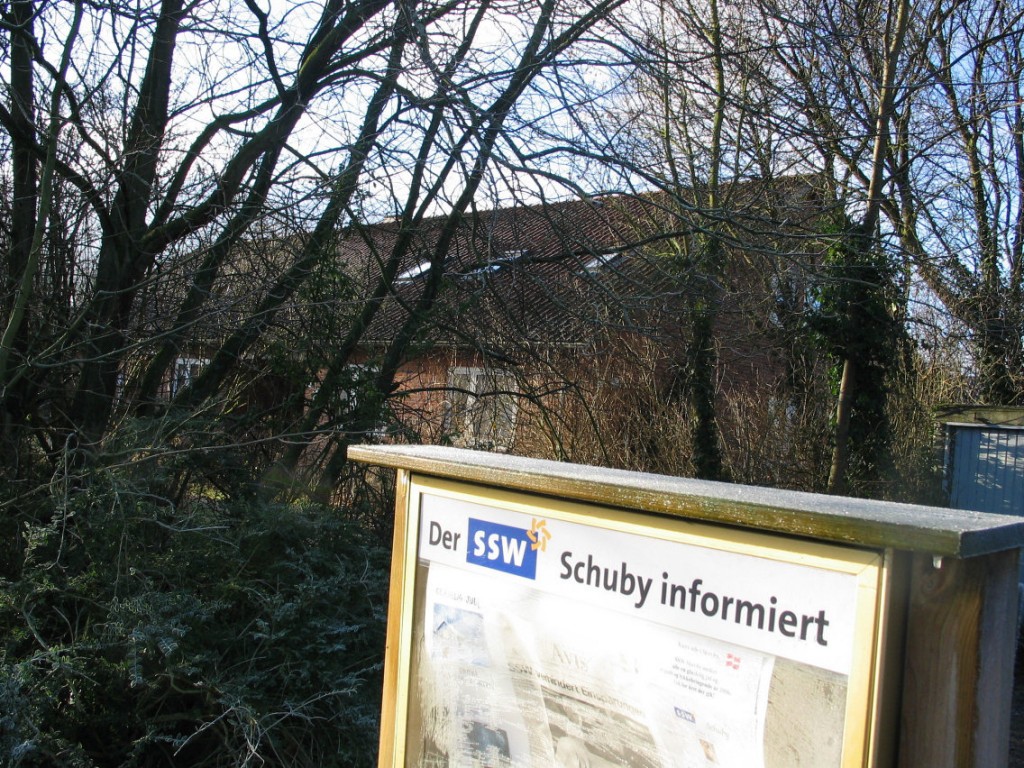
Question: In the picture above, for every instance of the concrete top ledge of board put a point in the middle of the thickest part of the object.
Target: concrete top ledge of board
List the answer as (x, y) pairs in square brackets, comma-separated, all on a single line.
[(935, 530)]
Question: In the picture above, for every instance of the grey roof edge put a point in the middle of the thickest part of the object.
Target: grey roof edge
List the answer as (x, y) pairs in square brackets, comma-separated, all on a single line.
[(937, 531)]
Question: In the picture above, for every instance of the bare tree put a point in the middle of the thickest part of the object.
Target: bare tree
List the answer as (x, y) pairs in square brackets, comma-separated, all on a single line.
[(911, 108), (957, 179), (183, 130), (706, 130)]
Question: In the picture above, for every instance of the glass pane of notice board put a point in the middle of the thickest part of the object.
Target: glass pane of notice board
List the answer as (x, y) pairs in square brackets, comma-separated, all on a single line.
[(539, 632)]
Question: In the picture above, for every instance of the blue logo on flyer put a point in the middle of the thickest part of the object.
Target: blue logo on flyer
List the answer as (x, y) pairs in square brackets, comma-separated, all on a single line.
[(505, 548)]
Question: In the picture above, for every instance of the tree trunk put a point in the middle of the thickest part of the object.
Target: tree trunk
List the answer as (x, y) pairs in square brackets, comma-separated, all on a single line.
[(841, 453), (25, 183), (863, 240)]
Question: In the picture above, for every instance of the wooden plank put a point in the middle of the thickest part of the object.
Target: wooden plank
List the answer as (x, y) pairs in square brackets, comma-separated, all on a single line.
[(389, 707), (931, 530), (981, 414), (958, 668)]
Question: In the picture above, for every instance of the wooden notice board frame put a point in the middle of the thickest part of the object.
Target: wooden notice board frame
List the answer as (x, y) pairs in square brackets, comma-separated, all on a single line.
[(915, 573)]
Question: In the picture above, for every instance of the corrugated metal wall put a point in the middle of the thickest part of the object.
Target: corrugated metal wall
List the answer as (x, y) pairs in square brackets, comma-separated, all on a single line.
[(985, 467)]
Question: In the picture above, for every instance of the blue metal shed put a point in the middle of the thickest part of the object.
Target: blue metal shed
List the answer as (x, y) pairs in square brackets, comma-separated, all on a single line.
[(985, 467)]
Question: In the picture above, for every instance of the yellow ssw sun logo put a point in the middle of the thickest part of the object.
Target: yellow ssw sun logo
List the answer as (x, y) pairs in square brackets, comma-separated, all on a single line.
[(539, 535)]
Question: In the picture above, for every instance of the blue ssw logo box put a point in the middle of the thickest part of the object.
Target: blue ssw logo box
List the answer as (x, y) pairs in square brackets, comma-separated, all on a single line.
[(502, 548)]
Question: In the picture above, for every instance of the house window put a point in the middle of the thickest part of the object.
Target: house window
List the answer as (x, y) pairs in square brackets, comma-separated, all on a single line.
[(481, 408), (186, 370), (358, 379), (600, 261), (417, 270), (495, 263)]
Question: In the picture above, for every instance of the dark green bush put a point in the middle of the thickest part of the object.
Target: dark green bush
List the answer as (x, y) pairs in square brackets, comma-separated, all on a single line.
[(209, 634)]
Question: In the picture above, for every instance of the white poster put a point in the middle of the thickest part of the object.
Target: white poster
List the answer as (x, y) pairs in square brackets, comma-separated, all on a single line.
[(547, 642)]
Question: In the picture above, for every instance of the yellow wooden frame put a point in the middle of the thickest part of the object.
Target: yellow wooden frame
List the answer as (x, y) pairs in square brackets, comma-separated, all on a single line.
[(863, 739)]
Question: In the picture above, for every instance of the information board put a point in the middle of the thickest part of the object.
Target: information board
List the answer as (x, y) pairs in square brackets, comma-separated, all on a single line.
[(538, 632)]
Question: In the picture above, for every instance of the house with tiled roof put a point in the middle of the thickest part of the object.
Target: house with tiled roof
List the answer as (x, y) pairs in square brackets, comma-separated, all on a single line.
[(548, 318), (554, 329)]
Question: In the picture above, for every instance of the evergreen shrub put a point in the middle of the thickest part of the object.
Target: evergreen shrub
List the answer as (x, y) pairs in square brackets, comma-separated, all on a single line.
[(212, 633)]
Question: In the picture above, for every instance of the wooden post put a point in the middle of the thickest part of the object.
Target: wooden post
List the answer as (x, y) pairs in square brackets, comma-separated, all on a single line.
[(958, 665)]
